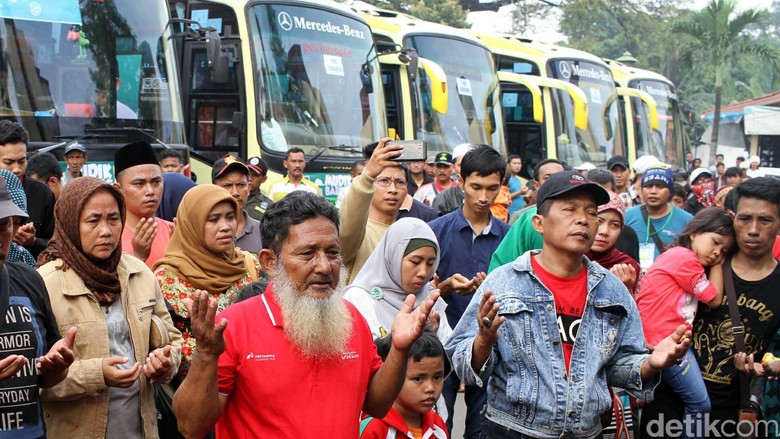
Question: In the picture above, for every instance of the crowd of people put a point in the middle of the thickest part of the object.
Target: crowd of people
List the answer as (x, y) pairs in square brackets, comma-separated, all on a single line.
[(561, 306)]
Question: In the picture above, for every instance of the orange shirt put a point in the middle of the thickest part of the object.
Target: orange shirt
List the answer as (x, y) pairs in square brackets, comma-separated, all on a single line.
[(159, 245), (500, 207)]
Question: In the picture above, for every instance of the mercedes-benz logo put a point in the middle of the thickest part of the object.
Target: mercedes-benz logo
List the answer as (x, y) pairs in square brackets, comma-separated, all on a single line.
[(285, 21), (564, 69)]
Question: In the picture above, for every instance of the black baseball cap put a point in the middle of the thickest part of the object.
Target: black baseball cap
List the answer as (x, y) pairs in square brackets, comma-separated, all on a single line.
[(562, 182), (227, 163), (617, 160), (443, 158), (257, 165)]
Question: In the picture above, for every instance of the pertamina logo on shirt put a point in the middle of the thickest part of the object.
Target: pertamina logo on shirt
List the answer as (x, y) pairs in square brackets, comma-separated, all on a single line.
[(260, 357)]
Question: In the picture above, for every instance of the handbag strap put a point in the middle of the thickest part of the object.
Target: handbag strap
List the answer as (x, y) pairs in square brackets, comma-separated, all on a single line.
[(653, 234), (737, 330)]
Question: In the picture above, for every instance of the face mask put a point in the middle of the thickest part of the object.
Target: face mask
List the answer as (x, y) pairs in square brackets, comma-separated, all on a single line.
[(705, 193)]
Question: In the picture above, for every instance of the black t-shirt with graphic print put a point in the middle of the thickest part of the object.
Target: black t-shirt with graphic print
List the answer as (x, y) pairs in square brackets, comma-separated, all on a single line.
[(27, 327), (713, 342)]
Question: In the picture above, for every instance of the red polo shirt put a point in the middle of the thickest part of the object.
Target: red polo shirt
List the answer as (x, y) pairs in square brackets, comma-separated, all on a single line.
[(274, 391)]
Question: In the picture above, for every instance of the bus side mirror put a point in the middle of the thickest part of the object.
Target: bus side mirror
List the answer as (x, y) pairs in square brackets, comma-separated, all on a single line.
[(218, 60), (365, 78)]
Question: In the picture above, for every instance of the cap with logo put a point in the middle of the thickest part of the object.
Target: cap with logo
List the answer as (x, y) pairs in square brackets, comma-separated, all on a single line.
[(227, 163), (7, 205), (617, 160), (75, 146), (257, 165), (660, 173), (443, 158), (563, 182)]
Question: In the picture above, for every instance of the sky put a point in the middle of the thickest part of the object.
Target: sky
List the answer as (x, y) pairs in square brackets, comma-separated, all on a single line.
[(546, 30)]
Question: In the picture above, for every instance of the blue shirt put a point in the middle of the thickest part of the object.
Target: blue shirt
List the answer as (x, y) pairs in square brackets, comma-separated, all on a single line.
[(517, 203), (668, 232), (462, 253)]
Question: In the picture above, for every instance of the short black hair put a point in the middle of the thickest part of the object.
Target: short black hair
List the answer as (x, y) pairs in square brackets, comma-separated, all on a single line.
[(719, 164), (167, 153), (718, 155), (511, 157), (12, 132), (294, 150), (368, 150), (484, 160), (679, 191), (733, 172), (740, 158), (730, 202), (544, 162), (427, 346), (357, 163), (708, 220), (44, 165), (293, 209), (602, 177), (762, 188)]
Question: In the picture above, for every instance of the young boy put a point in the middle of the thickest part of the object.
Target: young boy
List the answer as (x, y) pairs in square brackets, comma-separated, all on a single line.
[(412, 414)]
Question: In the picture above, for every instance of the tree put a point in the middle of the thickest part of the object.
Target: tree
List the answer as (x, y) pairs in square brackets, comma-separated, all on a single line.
[(718, 33), (447, 12), (524, 12)]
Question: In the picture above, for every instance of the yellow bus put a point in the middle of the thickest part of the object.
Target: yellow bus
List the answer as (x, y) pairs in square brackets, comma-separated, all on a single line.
[(568, 132), (668, 140), (91, 72), (260, 77), (452, 98)]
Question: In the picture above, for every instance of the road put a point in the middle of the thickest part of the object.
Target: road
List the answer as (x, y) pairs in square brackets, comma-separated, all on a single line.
[(460, 418)]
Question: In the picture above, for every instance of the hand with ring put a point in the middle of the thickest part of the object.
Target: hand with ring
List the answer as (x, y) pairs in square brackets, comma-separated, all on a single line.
[(489, 320)]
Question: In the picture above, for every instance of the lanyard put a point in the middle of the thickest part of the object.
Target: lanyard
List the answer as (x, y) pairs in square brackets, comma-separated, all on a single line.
[(647, 232)]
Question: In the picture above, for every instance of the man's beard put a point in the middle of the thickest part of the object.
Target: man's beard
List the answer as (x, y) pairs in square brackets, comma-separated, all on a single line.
[(319, 328)]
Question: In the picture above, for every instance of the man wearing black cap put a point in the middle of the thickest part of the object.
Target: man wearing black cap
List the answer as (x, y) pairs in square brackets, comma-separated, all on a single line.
[(442, 181), (551, 330), (257, 202), (28, 330), (76, 158), (34, 235), (618, 166), (139, 178), (232, 174)]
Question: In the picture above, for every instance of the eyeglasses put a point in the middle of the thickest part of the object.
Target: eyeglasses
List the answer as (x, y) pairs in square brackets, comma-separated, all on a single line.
[(385, 182)]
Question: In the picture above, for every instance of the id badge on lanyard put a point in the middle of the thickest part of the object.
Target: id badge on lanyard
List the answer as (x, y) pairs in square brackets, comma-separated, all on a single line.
[(646, 255)]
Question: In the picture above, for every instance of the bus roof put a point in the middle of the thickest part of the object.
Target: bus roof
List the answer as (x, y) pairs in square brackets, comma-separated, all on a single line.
[(623, 74), (541, 52)]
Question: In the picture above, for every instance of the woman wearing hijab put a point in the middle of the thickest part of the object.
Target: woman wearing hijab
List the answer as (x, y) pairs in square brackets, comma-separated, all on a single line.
[(202, 255), (16, 252), (114, 301), (402, 263), (603, 251), (175, 185)]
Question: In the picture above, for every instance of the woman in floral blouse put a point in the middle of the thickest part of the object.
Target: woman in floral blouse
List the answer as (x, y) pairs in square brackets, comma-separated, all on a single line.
[(202, 256)]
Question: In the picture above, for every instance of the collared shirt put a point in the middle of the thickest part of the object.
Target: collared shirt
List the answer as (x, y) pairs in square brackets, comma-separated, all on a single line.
[(249, 238), (463, 252), (284, 187), (273, 390), (626, 198), (257, 204)]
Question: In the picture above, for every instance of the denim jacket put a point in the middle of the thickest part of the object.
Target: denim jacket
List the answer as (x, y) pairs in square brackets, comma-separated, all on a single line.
[(528, 388)]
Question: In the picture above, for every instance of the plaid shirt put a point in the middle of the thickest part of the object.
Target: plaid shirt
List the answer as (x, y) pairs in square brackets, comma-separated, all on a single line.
[(625, 197)]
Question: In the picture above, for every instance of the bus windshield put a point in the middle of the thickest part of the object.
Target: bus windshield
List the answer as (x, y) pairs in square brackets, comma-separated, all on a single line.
[(312, 88), (603, 138), (474, 111), (68, 66), (668, 144)]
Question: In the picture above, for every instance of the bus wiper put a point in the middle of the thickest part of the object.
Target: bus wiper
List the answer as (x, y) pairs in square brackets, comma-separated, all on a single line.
[(126, 130), (342, 147), (69, 140)]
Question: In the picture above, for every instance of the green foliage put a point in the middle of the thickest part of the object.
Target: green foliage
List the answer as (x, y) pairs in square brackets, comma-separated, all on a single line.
[(447, 12), (525, 12)]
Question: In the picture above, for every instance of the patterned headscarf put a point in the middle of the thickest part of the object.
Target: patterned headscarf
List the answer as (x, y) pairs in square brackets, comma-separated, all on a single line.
[(615, 204), (99, 276), (15, 251)]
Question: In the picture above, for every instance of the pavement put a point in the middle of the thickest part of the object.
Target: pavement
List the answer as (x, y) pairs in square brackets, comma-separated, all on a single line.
[(458, 427)]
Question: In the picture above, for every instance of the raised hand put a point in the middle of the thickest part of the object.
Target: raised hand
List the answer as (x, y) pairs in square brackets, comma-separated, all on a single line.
[(115, 377), (25, 235), (488, 319), (627, 274), (158, 365), (59, 358), (209, 336), (382, 158), (143, 237), (10, 365), (670, 349), (408, 325)]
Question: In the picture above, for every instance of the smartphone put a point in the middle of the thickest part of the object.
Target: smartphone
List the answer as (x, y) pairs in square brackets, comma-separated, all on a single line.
[(413, 150)]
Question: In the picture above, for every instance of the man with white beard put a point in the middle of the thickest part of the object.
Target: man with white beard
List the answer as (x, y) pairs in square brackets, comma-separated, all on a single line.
[(296, 361)]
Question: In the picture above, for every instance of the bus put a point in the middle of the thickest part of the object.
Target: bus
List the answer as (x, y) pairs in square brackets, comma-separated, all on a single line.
[(463, 106), (261, 77), (569, 133), (667, 141), (94, 72)]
